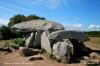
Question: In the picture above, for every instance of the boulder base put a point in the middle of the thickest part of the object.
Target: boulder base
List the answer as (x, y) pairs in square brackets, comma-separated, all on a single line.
[(62, 51)]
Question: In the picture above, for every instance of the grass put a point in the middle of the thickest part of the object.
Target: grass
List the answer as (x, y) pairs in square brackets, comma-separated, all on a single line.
[(94, 42)]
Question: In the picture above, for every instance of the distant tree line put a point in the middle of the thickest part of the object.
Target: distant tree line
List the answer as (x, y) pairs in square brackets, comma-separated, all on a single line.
[(93, 33)]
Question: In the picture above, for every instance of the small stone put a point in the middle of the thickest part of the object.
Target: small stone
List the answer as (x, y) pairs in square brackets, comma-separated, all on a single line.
[(35, 57), (8, 49), (86, 57), (94, 61), (93, 55), (26, 51)]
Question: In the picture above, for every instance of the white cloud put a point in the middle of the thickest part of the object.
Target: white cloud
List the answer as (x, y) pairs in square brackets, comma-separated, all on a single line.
[(82, 27), (94, 27), (3, 22), (74, 27), (77, 25)]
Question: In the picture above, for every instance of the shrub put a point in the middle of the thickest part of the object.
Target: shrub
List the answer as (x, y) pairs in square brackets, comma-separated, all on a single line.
[(18, 41), (10, 44), (15, 43)]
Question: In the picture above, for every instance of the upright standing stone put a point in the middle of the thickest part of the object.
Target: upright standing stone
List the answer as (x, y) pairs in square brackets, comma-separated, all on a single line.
[(62, 51), (29, 40), (45, 42), (37, 40)]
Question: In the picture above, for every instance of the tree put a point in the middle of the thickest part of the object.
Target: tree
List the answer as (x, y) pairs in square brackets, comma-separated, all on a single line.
[(16, 19), (5, 32), (21, 18), (33, 17)]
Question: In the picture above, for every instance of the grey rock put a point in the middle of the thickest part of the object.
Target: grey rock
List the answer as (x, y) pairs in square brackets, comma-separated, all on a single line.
[(26, 51), (37, 40), (35, 57), (29, 40), (45, 42), (34, 25), (94, 55), (1, 48), (62, 34), (86, 58), (63, 50), (6, 49)]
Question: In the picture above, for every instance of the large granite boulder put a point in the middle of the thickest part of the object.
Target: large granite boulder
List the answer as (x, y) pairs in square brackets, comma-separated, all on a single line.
[(62, 34), (63, 50), (34, 25), (45, 42), (29, 40)]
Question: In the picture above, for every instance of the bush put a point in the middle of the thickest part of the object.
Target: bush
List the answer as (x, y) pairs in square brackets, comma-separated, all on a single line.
[(18, 41), (15, 43), (10, 44)]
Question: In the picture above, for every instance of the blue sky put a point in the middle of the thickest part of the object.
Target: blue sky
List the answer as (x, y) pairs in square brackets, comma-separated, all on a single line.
[(73, 14)]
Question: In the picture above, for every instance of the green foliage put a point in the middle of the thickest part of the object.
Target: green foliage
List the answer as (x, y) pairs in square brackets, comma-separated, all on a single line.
[(7, 44), (21, 18), (15, 43), (5, 32), (33, 17), (10, 44), (16, 19), (18, 41), (93, 33)]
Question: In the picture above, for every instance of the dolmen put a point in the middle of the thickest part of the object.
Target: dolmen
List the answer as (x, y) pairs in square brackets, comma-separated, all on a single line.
[(53, 38)]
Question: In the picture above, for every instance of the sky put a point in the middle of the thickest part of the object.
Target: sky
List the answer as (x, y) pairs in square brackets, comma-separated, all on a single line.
[(73, 14)]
